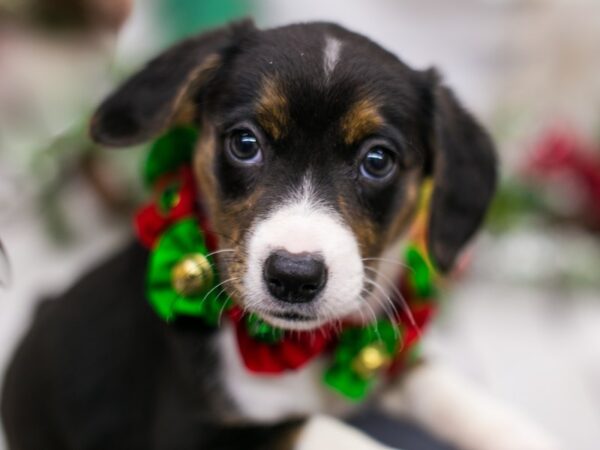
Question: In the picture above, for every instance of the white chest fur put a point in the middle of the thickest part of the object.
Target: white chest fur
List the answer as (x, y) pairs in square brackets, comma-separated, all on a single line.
[(271, 398)]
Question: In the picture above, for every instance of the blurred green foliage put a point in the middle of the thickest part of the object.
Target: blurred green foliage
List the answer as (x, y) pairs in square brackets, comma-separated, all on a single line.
[(183, 18)]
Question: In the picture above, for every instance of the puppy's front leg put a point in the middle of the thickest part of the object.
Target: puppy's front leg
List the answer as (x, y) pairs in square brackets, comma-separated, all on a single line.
[(324, 432), (456, 412)]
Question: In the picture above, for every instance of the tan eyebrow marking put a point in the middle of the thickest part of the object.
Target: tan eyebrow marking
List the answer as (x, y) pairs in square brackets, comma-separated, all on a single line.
[(272, 109), (362, 119)]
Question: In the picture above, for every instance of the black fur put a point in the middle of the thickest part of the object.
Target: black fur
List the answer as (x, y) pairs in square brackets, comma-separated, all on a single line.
[(146, 104), (98, 369), (465, 178), (424, 122)]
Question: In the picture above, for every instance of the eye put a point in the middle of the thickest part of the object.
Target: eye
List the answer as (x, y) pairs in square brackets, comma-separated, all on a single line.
[(378, 163), (243, 146)]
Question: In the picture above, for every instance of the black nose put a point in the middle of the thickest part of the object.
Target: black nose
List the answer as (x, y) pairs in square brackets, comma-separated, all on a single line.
[(294, 277)]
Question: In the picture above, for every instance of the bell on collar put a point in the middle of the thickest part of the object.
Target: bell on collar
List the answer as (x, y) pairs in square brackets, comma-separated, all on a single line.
[(371, 360), (192, 275)]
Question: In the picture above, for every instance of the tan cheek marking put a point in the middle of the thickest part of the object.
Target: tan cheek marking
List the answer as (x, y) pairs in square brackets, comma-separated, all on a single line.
[(272, 109), (235, 217), (405, 215), (363, 228), (203, 166), (233, 220), (360, 121), (229, 221), (372, 242)]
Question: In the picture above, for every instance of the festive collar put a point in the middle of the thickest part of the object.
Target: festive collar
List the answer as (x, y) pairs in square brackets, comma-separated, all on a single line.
[(182, 280)]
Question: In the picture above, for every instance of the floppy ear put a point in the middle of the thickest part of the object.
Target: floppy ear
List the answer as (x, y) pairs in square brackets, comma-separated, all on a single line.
[(163, 92), (465, 174)]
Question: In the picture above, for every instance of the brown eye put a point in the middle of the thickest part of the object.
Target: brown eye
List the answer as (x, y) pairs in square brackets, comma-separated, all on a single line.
[(378, 163), (244, 147)]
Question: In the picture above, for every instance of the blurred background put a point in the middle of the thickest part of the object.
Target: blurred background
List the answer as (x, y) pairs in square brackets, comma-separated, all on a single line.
[(523, 317)]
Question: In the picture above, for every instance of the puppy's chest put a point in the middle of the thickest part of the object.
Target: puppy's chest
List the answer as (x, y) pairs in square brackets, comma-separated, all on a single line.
[(271, 398)]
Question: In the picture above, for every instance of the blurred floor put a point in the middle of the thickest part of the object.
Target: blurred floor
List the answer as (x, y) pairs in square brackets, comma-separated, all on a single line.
[(537, 349), (41, 268)]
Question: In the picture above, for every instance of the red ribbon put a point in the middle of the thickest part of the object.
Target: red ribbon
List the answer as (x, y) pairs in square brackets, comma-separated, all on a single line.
[(151, 221), (295, 349), (292, 352)]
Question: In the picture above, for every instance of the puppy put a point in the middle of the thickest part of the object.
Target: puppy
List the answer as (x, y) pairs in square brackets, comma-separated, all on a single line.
[(313, 148)]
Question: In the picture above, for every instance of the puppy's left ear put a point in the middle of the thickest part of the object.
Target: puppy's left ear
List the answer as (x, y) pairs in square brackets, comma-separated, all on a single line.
[(464, 166), (166, 90)]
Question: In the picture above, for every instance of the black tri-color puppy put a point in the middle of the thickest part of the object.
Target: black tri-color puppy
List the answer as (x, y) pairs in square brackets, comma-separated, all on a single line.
[(314, 144)]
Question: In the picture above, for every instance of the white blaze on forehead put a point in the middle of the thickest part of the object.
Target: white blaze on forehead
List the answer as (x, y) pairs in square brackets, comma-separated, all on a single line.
[(331, 55), (303, 224)]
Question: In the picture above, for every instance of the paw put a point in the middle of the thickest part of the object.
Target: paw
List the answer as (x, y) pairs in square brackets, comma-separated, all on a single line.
[(460, 414), (322, 432), (513, 435)]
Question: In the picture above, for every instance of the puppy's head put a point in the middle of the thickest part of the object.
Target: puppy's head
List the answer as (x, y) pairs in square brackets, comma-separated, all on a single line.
[(314, 144)]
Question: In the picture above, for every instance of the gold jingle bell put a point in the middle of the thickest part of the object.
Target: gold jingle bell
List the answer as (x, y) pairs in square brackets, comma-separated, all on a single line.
[(370, 360), (192, 275)]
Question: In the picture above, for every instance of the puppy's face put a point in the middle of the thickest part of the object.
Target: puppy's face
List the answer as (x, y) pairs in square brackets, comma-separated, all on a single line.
[(312, 152), (313, 147)]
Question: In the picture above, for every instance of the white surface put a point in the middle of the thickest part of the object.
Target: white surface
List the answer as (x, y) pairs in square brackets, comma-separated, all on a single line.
[(532, 347), (41, 269), (323, 432), (458, 412)]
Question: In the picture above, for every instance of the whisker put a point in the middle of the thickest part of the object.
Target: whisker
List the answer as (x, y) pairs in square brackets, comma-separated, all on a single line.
[(382, 290), (389, 260), (364, 299), (217, 286), (374, 316), (330, 317), (220, 251), (222, 310), (392, 318), (390, 311), (391, 284), (403, 304), (392, 315)]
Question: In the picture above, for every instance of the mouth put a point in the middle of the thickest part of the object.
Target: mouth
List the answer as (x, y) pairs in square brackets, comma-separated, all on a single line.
[(291, 320), (291, 316)]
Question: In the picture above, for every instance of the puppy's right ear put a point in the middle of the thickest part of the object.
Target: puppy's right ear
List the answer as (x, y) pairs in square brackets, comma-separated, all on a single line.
[(163, 92), (465, 174)]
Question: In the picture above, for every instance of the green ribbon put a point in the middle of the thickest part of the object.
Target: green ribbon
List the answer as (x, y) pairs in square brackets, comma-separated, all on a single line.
[(261, 330), (181, 239), (341, 376), (169, 152), (184, 238), (420, 274)]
